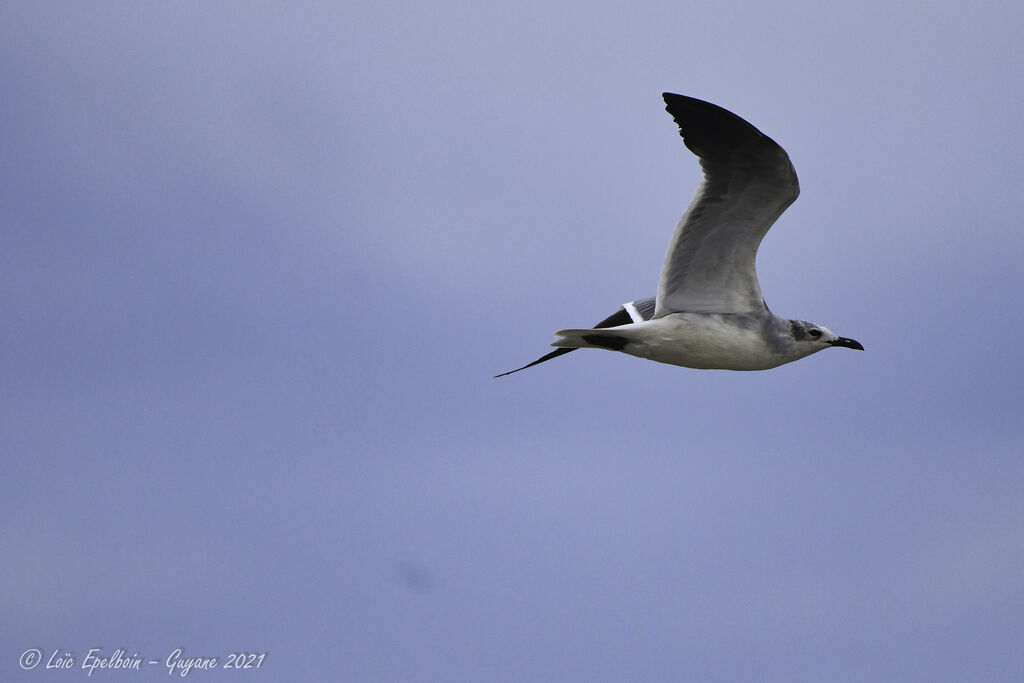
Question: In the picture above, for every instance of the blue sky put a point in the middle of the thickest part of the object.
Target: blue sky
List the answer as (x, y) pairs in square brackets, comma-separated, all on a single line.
[(260, 262)]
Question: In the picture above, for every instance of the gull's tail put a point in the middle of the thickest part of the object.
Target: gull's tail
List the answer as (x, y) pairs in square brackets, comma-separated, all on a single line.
[(634, 311)]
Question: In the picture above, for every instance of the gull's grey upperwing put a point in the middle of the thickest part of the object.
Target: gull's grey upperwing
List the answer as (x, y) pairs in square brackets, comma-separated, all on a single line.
[(748, 183)]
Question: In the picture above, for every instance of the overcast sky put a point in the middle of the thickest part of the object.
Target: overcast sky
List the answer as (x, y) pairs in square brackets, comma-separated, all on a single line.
[(259, 263)]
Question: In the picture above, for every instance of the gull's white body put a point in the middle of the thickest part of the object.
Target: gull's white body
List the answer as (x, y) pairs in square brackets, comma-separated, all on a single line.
[(707, 341), (709, 312)]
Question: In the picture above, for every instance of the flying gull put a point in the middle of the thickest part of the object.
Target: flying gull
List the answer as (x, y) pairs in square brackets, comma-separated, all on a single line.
[(709, 312)]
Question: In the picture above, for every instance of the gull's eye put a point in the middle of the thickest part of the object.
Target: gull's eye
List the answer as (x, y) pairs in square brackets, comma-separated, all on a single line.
[(814, 333)]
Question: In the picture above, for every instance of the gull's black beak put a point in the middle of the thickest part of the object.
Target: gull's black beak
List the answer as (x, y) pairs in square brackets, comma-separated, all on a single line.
[(847, 342)]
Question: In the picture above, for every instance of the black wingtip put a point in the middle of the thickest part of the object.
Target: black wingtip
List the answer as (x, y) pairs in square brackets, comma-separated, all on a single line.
[(612, 342), (554, 354), (709, 131)]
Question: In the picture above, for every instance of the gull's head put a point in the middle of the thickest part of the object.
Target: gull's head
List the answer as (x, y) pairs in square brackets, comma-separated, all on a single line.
[(819, 337)]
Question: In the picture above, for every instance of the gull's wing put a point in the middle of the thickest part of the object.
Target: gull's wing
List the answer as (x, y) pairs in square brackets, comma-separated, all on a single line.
[(641, 308), (748, 183)]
